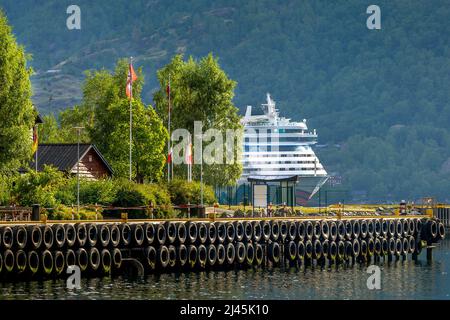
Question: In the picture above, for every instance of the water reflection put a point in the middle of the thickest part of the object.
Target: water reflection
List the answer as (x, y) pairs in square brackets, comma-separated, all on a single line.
[(400, 280)]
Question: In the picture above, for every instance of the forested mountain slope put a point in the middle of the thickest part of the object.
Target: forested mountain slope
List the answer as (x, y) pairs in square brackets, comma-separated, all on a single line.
[(379, 99)]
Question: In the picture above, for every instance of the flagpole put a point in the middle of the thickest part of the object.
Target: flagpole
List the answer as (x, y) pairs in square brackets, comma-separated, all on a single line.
[(187, 158), (201, 171), (37, 147), (131, 112), (168, 141)]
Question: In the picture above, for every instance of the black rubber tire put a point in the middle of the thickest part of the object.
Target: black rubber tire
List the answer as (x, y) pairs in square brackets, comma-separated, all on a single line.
[(116, 255), (59, 262), (163, 256), (82, 259), (192, 232), (150, 233), (333, 234), (212, 233), (46, 262), (71, 235), (192, 255), (230, 253), (275, 227), (151, 257), (35, 240), (181, 233), (202, 234), (104, 235), (161, 234), (59, 233), (266, 230), (231, 232), (115, 236), (202, 255), (274, 251), (240, 252), (171, 230), (239, 227), (138, 235), (221, 232), (94, 259), (92, 235), (221, 254)]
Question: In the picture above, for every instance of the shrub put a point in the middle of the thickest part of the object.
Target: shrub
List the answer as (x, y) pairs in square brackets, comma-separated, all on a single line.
[(101, 191), (38, 187), (130, 194), (5, 189), (65, 213), (183, 192)]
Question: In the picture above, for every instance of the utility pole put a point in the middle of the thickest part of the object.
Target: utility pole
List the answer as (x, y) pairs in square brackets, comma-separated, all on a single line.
[(78, 167)]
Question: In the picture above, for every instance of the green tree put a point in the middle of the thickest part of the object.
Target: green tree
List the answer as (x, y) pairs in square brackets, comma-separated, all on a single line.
[(16, 111), (104, 112), (201, 91)]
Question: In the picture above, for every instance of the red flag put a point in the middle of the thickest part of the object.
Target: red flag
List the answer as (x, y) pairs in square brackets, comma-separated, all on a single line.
[(168, 90), (169, 157), (188, 155), (130, 79)]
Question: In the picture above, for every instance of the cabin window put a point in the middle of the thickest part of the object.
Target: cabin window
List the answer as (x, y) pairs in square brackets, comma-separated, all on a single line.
[(90, 158)]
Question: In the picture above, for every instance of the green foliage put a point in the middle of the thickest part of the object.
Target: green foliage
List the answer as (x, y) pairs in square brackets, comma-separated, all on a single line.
[(52, 132), (201, 91), (16, 111), (38, 187), (132, 194), (104, 112), (183, 192), (101, 192), (5, 189), (65, 213)]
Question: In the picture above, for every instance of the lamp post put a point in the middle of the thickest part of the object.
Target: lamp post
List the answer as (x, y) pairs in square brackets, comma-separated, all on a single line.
[(78, 167)]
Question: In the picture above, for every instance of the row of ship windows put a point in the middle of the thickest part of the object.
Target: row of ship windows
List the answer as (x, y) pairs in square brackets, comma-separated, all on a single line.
[(251, 130), (270, 148), (280, 139), (287, 162), (279, 169), (297, 155)]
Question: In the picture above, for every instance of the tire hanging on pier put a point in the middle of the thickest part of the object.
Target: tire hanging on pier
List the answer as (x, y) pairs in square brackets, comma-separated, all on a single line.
[(114, 235), (150, 233), (192, 255), (59, 262), (240, 252), (104, 235), (20, 236), (182, 255), (60, 235), (274, 252), (221, 232), (181, 233), (138, 235), (71, 235)]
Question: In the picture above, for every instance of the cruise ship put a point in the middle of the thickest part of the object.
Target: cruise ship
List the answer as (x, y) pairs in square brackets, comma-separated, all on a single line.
[(276, 148)]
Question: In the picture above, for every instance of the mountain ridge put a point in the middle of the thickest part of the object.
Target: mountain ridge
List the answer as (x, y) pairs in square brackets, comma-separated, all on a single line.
[(317, 59)]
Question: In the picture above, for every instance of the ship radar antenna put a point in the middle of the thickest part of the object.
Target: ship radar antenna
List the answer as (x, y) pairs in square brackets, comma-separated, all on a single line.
[(270, 104)]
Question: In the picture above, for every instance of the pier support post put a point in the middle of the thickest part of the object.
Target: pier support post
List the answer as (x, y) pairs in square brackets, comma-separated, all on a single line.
[(429, 253), (35, 212)]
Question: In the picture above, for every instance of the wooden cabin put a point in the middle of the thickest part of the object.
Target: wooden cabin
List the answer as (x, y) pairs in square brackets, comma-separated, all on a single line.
[(65, 158)]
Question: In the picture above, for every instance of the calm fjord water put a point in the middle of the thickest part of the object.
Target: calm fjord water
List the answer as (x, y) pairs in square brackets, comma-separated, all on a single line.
[(399, 280)]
